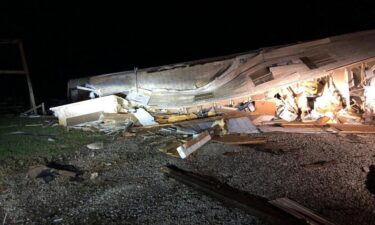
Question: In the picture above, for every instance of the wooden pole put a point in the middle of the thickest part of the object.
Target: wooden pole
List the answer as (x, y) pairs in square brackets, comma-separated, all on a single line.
[(26, 69)]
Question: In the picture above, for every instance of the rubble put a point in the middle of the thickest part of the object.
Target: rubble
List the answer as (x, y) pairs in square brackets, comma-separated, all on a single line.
[(288, 89), (95, 145)]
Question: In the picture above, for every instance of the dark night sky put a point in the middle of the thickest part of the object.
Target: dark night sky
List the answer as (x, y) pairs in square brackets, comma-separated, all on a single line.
[(64, 41)]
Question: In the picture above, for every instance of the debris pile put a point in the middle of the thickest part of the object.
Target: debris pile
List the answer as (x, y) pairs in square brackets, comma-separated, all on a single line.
[(341, 101)]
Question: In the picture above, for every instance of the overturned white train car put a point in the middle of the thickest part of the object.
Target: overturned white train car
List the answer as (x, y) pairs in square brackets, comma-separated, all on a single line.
[(349, 59)]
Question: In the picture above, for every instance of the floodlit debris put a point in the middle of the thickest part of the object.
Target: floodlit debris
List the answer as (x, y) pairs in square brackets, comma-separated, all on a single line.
[(235, 79), (94, 175), (59, 220), (95, 146), (318, 82), (366, 169)]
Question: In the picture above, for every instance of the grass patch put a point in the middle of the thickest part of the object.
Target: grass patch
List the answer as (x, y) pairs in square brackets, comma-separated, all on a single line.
[(35, 142)]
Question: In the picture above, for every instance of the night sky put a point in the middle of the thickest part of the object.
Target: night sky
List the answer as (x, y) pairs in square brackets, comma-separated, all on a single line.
[(64, 41)]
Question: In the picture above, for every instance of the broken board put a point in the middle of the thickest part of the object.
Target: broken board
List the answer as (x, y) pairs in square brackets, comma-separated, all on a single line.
[(350, 128), (194, 144)]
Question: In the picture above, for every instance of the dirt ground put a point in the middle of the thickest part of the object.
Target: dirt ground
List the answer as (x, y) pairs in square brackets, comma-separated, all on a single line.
[(328, 173)]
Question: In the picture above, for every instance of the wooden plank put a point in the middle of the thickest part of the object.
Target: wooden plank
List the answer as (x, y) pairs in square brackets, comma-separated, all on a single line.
[(300, 211), (304, 130), (302, 125), (350, 128), (252, 204), (234, 139), (194, 144), (171, 148)]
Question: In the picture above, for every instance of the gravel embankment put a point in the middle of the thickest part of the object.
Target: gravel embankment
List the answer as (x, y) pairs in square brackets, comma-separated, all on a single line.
[(131, 190)]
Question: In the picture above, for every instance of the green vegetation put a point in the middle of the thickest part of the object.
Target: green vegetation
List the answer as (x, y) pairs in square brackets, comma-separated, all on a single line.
[(34, 142)]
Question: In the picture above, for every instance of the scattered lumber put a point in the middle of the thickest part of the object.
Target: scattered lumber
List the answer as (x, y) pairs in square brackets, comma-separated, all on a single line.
[(252, 204), (235, 139)]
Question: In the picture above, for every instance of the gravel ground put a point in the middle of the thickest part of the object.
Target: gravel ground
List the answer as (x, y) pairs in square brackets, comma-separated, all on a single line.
[(131, 190)]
